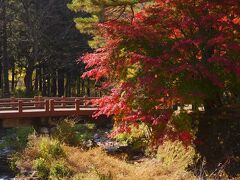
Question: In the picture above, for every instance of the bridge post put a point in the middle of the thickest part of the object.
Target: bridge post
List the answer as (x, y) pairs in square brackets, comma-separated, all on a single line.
[(20, 106), (36, 100), (51, 105), (84, 100), (77, 105), (40, 98), (63, 99), (13, 101), (47, 105)]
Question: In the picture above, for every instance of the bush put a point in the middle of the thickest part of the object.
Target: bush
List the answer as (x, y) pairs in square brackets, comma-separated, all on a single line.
[(50, 148), (48, 158), (42, 167), (176, 154), (59, 170), (74, 134), (43, 155), (17, 138), (136, 139), (13, 159)]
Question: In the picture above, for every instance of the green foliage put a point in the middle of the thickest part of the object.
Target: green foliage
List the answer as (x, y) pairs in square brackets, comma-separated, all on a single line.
[(59, 170), (102, 11), (17, 138), (71, 133), (137, 139), (50, 160), (41, 166), (182, 122), (13, 159), (50, 148)]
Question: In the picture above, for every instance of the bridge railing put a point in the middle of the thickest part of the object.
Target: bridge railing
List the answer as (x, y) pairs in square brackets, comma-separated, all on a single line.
[(40, 98), (45, 104)]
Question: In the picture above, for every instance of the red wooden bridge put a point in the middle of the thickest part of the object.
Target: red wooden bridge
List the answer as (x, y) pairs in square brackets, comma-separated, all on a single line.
[(11, 108)]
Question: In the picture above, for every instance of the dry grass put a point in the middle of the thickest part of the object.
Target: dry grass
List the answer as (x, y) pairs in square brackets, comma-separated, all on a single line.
[(95, 164), (96, 161)]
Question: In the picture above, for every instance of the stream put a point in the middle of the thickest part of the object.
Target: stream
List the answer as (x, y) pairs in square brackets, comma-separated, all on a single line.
[(5, 170)]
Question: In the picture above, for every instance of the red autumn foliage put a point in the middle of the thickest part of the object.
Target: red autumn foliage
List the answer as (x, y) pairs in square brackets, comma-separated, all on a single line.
[(174, 51)]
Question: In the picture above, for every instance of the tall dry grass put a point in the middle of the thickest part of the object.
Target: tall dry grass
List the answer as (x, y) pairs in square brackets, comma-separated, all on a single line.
[(96, 164)]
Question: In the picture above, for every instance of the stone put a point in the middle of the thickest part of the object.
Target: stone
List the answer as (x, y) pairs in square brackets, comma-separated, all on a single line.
[(44, 130)]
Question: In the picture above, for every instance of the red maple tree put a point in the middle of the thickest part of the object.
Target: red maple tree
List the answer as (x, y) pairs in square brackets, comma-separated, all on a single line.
[(173, 51)]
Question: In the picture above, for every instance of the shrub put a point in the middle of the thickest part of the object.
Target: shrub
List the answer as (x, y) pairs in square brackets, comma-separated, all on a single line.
[(59, 170), (71, 133), (46, 156), (176, 154), (13, 159), (136, 138), (50, 148), (42, 167), (64, 132)]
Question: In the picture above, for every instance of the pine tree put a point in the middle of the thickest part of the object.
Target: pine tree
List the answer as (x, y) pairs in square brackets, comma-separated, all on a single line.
[(100, 11)]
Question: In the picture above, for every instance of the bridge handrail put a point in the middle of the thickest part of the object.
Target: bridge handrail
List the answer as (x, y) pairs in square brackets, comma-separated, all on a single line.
[(40, 98), (48, 103), (15, 99)]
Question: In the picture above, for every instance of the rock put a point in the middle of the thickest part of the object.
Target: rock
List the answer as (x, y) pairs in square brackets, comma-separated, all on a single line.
[(88, 143), (44, 130), (53, 129), (96, 136)]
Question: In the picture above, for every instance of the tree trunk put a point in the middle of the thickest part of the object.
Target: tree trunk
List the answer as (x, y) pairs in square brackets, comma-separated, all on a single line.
[(89, 88), (5, 64), (0, 76), (44, 91), (83, 87), (28, 82), (13, 77), (36, 82), (54, 84), (48, 85), (40, 79), (68, 85), (60, 82)]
